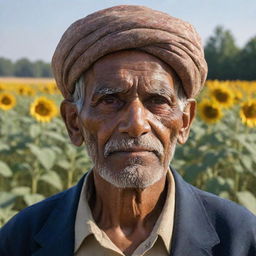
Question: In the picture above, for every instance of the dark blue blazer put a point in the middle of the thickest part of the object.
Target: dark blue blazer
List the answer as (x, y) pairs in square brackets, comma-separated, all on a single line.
[(204, 225)]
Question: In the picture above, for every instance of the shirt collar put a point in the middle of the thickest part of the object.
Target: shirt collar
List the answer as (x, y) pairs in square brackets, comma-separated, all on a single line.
[(83, 214), (165, 222), (84, 222)]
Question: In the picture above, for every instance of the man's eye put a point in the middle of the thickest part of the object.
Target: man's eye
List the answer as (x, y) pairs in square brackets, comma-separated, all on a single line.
[(109, 100), (158, 100)]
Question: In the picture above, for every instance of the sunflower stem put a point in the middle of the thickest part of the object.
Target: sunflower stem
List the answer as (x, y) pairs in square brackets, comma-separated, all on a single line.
[(238, 148), (71, 173), (35, 171)]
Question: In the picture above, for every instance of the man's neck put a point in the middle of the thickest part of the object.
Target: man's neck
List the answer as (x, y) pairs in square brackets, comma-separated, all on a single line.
[(127, 208)]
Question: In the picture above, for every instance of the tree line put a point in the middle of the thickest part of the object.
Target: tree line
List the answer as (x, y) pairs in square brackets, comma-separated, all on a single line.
[(24, 68), (226, 61)]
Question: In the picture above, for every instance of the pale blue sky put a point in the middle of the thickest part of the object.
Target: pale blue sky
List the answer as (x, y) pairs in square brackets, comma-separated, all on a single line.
[(32, 28)]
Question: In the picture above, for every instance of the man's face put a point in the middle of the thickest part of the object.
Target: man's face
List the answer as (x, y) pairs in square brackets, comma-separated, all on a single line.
[(131, 119)]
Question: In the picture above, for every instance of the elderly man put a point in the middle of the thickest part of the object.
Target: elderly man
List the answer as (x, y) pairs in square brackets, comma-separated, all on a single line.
[(129, 76)]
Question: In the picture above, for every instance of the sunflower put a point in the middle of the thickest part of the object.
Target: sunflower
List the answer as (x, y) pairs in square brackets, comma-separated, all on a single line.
[(7, 101), (238, 95), (209, 111), (30, 91), (248, 113), (43, 109), (222, 95), (25, 90), (1, 87), (21, 89)]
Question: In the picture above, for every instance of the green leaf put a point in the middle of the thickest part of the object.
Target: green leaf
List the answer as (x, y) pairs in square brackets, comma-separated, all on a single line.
[(46, 156), (6, 198), (238, 168), (53, 179), (64, 164), (33, 198), (216, 185), (5, 170), (5, 215), (21, 191), (56, 136), (210, 159), (246, 161), (192, 171), (70, 151), (247, 199), (224, 194), (4, 147), (250, 147), (57, 150), (34, 130)]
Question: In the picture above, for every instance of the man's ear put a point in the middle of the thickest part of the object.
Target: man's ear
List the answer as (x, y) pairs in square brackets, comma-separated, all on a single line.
[(187, 118), (69, 114)]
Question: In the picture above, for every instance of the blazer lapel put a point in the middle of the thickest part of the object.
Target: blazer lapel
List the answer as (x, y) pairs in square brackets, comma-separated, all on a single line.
[(57, 235), (193, 233)]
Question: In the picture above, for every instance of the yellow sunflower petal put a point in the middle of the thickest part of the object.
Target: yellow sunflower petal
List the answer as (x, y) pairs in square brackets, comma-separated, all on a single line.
[(222, 95), (209, 112), (43, 109), (248, 113), (7, 101)]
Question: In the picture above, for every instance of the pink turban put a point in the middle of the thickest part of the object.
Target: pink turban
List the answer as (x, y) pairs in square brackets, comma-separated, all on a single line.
[(172, 40)]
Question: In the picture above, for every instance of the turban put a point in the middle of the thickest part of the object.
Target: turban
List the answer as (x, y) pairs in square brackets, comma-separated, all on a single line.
[(123, 27)]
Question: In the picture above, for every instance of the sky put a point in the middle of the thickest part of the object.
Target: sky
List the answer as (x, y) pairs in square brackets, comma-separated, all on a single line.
[(32, 28)]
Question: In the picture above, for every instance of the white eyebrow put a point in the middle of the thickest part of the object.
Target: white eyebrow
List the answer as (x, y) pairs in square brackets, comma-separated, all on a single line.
[(108, 90)]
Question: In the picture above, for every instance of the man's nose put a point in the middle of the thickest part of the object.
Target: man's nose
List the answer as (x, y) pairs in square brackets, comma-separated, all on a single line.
[(134, 121)]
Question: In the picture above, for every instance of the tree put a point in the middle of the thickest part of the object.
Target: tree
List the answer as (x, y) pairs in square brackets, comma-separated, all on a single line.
[(24, 68), (247, 61), (6, 67), (42, 69), (221, 55)]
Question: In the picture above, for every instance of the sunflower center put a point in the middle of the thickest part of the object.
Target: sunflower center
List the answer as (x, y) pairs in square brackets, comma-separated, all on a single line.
[(221, 96), (6, 100), (250, 111), (210, 112), (42, 109), (21, 91)]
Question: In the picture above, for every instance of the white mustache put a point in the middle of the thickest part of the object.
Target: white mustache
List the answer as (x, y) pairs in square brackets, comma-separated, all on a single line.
[(148, 143)]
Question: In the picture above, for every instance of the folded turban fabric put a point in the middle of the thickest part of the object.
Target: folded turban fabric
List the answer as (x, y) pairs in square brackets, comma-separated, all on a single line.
[(172, 40)]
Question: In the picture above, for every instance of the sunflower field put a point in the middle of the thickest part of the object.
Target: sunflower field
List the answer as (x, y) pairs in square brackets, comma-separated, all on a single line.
[(38, 160)]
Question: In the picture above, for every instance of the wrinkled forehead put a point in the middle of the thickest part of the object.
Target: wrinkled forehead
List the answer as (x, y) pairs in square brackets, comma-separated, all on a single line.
[(128, 71), (129, 64), (126, 58)]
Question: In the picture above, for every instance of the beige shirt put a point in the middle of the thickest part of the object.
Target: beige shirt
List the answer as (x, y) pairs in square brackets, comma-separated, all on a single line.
[(91, 240)]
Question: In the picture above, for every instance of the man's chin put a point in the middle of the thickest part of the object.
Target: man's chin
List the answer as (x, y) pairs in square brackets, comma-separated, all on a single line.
[(132, 176)]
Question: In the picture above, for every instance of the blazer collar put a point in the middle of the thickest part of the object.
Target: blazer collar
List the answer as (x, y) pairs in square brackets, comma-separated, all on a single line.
[(193, 232), (57, 235)]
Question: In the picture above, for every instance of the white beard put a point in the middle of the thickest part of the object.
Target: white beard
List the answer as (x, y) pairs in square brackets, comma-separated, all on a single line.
[(134, 175)]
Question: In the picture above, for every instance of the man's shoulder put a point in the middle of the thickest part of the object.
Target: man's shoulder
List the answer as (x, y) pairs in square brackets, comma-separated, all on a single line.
[(32, 217), (220, 205), (226, 215), (22, 228), (39, 212), (41, 209), (217, 208)]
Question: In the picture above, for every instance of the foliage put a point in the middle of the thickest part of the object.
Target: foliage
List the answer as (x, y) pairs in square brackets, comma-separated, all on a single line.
[(24, 68), (221, 55), (38, 160), (246, 60), (226, 61), (6, 67)]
